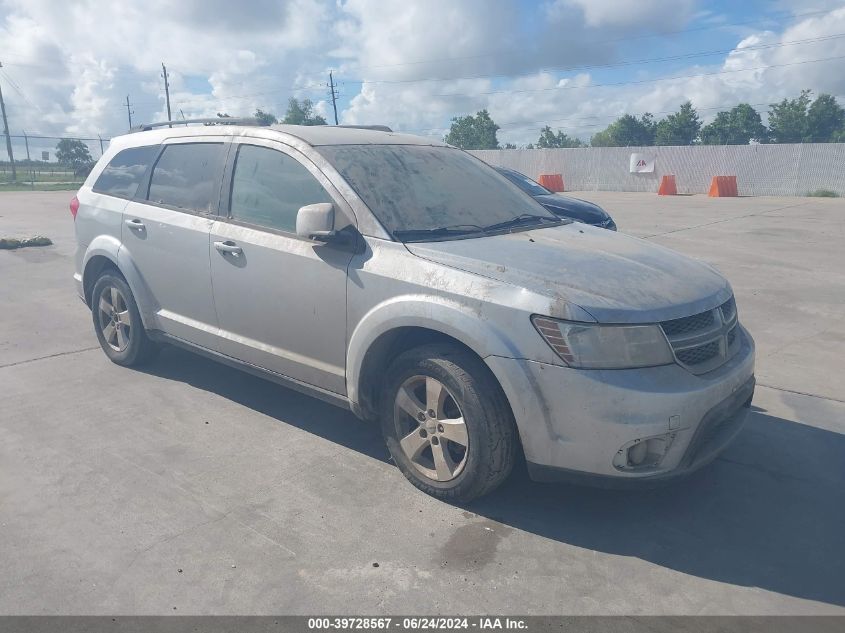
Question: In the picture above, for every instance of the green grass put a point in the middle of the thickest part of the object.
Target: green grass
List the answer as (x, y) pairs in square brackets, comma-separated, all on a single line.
[(823, 193), (21, 186), (46, 175)]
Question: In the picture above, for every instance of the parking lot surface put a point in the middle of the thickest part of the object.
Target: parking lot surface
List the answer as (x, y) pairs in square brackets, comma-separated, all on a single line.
[(189, 487)]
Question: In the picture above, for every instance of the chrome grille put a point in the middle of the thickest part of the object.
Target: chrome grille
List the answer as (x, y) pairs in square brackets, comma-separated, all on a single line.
[(704, 341)]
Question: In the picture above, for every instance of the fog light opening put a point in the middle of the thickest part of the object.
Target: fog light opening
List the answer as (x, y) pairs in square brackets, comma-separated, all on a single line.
[(637, 453), (643, 454)]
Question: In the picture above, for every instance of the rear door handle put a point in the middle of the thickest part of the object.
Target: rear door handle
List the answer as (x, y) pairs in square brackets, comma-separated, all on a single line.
[(135, 224), (228, 247)]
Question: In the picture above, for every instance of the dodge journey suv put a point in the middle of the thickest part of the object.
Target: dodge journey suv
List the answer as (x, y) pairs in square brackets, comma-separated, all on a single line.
[(411, 283)]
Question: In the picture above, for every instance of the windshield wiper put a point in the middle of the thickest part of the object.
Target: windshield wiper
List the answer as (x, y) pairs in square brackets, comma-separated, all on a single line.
[(520, 219), (454, 229)]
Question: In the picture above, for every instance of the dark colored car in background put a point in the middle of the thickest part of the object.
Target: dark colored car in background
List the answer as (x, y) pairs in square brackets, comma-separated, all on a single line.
[(563, 206)]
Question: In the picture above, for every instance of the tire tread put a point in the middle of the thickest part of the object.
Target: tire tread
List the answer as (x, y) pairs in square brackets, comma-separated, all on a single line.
[(140, 351), (472, 374)]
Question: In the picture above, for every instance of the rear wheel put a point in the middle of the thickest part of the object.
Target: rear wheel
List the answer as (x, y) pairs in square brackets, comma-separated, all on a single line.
[(117, 322), (447, 423)]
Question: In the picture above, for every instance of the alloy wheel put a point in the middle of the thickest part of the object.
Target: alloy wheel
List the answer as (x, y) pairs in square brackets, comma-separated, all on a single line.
[(431, 428), (114, 318)]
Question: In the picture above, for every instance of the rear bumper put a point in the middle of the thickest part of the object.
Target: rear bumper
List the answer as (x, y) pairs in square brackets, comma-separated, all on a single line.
[(575, 423)]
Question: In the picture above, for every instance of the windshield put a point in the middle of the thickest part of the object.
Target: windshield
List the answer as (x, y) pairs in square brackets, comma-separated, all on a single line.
[(443, 192), (524, 182)]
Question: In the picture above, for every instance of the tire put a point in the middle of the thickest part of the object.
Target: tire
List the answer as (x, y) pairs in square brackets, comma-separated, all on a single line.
[(457, 472), (117, 322)]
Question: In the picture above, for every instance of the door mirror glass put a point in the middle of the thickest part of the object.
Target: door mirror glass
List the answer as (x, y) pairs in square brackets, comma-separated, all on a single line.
[(316, 221)]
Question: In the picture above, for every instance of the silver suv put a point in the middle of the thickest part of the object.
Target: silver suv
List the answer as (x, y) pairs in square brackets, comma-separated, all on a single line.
[(411, 283)]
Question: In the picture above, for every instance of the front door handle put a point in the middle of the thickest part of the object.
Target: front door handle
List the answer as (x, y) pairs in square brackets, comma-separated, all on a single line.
[(228, 247), (135, 224)]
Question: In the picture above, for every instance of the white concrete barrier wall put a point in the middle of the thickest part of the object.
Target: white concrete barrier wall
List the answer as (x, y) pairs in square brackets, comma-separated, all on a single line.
[(760, 170)]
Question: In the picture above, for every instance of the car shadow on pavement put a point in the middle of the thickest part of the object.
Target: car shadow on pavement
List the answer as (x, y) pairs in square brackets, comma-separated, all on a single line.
[(263, 396), (769, 513)]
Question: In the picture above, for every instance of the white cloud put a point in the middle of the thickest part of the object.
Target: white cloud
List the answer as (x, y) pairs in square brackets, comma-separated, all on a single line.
[(649, 15), (80, 63), (75, 66)]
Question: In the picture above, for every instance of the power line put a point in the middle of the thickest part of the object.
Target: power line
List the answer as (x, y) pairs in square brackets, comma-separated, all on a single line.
[(640, 81), (636, 62), (310, 88), (787, 14), (574, 68), (19, 90)]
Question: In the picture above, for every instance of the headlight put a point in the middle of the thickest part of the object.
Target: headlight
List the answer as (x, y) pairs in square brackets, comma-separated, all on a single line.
[(590, 346)]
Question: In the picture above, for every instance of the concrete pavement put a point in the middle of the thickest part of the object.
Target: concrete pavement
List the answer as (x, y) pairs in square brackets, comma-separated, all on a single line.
[(192, 488)]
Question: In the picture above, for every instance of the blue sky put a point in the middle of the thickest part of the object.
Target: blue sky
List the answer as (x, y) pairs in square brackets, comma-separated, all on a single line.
[(413, 64)]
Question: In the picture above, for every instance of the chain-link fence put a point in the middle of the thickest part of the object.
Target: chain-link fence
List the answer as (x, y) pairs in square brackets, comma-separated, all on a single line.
[(39, 163), (760, 170)]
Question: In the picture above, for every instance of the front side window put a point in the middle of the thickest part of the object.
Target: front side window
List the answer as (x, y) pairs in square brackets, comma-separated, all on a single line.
[(125, 171), (187, 176), (422, 189), (269, 187)]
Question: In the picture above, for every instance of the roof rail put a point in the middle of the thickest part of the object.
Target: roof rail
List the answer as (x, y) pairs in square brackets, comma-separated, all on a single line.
[(223, 120), (379, 128)]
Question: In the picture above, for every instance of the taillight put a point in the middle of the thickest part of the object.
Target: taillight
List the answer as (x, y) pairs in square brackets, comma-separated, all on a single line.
[(74, 206)]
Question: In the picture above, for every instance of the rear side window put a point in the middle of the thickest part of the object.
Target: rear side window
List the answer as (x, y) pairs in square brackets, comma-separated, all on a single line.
[(187, 176), (269, 187), (125, 171)]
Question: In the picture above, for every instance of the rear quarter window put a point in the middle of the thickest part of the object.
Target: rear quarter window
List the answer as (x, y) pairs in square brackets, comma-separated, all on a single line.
[(125, 171)]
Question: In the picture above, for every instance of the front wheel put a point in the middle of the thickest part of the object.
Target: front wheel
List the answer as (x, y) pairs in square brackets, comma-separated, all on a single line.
[(117, 322), (446, 422)]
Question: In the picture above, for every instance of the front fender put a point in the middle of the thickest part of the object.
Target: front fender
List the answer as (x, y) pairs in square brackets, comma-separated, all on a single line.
[(434, 313)]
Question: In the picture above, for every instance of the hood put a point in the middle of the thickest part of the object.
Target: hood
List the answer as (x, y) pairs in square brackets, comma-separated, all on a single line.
[(615, 277), (574, 208)]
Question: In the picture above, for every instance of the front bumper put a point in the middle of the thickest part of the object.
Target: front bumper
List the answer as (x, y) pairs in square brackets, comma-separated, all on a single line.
[(574, 423)]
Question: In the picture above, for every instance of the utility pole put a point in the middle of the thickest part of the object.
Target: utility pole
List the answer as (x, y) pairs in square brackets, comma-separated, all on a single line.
[(166, 91), (29, 162), (101, 144), (129, 112), (6, 132), (333, 95)]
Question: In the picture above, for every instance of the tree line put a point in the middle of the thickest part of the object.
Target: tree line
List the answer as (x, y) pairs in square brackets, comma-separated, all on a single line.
[(798, 120)]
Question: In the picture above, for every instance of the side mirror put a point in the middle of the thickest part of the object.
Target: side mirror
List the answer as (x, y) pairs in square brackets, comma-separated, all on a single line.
[(315, 221)]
